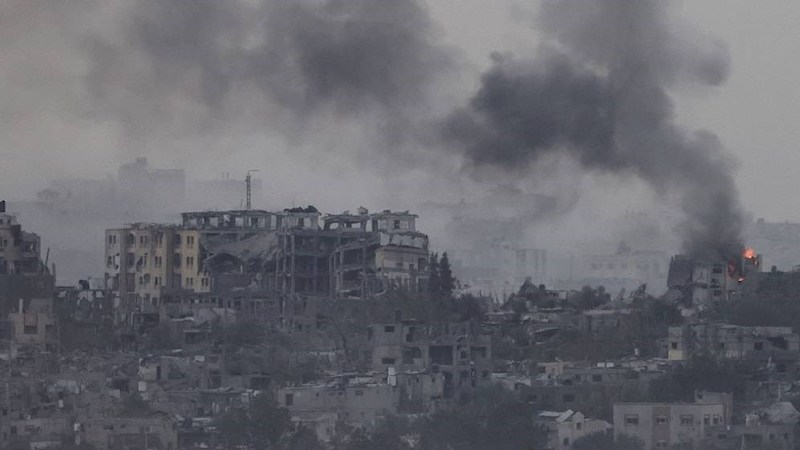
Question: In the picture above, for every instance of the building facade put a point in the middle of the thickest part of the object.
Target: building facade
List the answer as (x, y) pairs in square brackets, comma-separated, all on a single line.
[(664, 425)]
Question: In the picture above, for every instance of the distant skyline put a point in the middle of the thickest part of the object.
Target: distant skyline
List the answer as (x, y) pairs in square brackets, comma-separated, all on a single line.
[(754, 113)]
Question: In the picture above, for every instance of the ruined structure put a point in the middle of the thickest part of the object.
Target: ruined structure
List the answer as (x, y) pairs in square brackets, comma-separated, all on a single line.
[(703, 283), (461, 352), (23, 274), (775, 345), (260, 262)]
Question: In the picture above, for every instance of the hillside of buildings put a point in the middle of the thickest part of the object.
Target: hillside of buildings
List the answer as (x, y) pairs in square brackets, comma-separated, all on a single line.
[(298, 329)]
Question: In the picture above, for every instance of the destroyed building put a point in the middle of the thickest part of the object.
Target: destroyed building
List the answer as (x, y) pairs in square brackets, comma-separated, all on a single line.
[(23, 273), (290, 254), (703, 283), (461, 352), (774, 345), (260, 262)]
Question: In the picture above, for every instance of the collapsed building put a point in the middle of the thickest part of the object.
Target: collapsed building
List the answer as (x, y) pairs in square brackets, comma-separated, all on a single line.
[(257, 260)]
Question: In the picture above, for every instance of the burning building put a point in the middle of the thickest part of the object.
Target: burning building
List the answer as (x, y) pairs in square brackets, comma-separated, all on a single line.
[(704, 282)]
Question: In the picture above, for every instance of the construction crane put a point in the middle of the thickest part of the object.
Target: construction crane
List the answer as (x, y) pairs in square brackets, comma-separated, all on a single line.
[(247, 180)]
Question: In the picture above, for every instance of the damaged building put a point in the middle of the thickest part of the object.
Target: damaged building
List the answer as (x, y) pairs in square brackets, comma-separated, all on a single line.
[(259, 261), (461, 352), (23, 273), (703, 283), (289, 253), (775, 345)]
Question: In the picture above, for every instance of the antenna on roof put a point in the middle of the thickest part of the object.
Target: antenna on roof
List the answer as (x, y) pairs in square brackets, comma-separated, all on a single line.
[(248, 179)]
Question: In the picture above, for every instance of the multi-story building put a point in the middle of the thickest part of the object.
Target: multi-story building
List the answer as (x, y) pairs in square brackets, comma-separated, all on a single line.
[(147, 264), (664, 425), (461, 352), (290, 254), (775, 345), (23, 274), (259, 261), (703, 283), (390, 253)]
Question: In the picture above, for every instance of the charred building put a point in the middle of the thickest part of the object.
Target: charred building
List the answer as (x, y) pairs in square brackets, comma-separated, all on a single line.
[(23, 274), (703, 283)]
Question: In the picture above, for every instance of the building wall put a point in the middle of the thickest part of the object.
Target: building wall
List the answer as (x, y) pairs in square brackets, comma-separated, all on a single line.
[(35, 324), (128, 432), (562, 435), (733, 342), (662, 425), (146, 262), (360, 404)]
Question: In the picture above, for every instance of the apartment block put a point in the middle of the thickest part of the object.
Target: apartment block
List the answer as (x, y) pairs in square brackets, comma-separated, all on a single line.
[(664, 425)]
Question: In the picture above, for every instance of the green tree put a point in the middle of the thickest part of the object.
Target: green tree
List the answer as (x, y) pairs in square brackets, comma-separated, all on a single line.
[(434, 282), (448, 282)]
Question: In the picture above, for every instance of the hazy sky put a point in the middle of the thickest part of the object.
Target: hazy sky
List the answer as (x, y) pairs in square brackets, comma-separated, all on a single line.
[(51, 128)]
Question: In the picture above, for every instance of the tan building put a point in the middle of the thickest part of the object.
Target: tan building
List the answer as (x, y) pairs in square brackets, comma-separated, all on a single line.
[(664, 425), (148, 263)]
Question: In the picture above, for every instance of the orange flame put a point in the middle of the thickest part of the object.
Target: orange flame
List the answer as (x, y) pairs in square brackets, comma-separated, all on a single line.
[(749, 253)]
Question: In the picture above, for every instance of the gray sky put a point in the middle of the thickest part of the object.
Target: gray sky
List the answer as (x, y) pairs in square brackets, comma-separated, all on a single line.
[(50, 129)]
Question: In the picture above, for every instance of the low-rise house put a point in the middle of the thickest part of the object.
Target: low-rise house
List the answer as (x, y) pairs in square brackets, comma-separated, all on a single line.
[(563, 428), (356, 401)]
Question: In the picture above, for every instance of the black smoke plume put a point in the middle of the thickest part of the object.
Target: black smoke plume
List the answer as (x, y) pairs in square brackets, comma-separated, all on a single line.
[(193, 66), (599, 89)]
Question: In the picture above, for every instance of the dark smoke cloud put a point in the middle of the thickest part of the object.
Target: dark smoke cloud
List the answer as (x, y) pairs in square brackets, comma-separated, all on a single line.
[(160, 71), (599, 89), (192, 66)]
